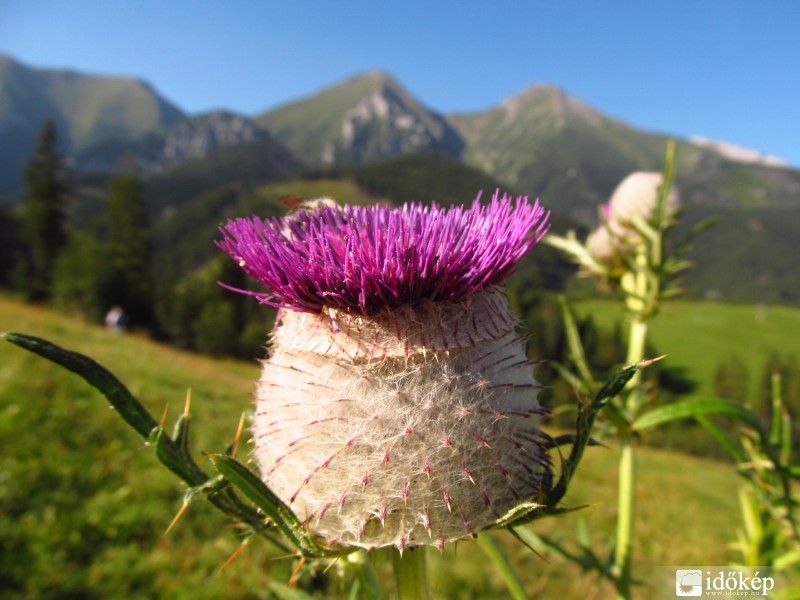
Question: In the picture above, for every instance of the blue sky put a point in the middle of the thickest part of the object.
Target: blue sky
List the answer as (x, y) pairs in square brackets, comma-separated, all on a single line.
[(721, 69)]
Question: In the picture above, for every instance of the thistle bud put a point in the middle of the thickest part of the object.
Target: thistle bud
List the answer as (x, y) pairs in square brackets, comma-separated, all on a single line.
[(635, 198), (397, 406)]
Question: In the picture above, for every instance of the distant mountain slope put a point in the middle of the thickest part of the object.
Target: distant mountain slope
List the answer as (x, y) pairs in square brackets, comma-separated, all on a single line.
[(244, 165), (191, 138), (422, 177), (87, 110), (547, 142), (103, 120), (237, 167), (364, 118)]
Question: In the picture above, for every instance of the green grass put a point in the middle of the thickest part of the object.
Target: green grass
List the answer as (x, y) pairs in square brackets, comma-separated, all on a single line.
[(84, 505), (699, 335)]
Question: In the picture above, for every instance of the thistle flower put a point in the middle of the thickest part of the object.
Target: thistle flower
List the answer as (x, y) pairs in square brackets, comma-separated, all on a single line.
[(397, 406)]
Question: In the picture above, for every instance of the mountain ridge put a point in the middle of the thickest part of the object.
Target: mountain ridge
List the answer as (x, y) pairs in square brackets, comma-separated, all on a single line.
[(541, 142), (367, 116)]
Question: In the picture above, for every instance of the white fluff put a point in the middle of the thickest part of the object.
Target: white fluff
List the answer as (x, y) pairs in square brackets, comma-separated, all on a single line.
[(416, 426)]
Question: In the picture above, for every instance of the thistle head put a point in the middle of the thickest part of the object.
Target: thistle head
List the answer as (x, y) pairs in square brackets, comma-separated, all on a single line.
[(367, 259), (397, 406)]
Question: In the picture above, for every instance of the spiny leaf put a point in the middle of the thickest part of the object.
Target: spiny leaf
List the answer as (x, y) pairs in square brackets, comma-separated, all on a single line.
[(251, 486), (174, 454), (520, 511), (129, 408), (177, 458), (566, 439), (584, 424), (181, 431), (614, 386)]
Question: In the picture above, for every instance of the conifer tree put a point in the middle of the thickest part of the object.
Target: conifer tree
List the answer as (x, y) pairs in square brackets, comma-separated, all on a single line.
[(43, 212), (130, 281)]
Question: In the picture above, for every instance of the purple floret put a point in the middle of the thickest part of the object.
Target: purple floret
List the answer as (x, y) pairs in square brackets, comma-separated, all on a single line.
[(366, 259)]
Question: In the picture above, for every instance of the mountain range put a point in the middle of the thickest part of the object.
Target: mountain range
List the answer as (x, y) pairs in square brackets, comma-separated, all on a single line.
[(541, 142)]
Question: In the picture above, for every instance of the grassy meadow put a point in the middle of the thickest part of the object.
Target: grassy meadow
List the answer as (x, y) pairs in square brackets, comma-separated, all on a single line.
[(84, 505), (698, 336)]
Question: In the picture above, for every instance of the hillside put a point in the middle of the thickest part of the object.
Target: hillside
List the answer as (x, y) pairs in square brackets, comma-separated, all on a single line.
[(103, 121), (545, 140), (86, 109), (698, 337), (85, 505)]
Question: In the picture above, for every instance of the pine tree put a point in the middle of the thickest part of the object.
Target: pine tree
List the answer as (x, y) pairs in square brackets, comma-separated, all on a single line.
[(130, 281), (43, 212)]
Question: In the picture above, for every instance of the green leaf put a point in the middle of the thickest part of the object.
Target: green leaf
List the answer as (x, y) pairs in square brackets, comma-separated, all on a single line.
[(695, 407), (281, 515), (179, 460), (777, 410), (577, 353), (541, 544), (786, 560), (786, 439), (129, 408), (180, 433), (573, 380), (670, 161), (751, 517), (723, 438), (567, 439), (491, 548)]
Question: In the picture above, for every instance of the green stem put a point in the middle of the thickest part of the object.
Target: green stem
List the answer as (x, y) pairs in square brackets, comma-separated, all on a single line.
[(410, 574), (492, 549), (627, 467), (625, 509), (365, 575), (636, 342)]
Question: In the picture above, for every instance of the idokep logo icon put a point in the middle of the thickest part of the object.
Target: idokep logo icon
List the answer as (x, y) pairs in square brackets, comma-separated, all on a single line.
[(723, 582), (688, 582)]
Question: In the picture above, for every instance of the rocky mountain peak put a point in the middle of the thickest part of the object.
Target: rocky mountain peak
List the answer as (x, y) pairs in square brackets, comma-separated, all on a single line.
[(197, 136), (366, 117), (739, 154)]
